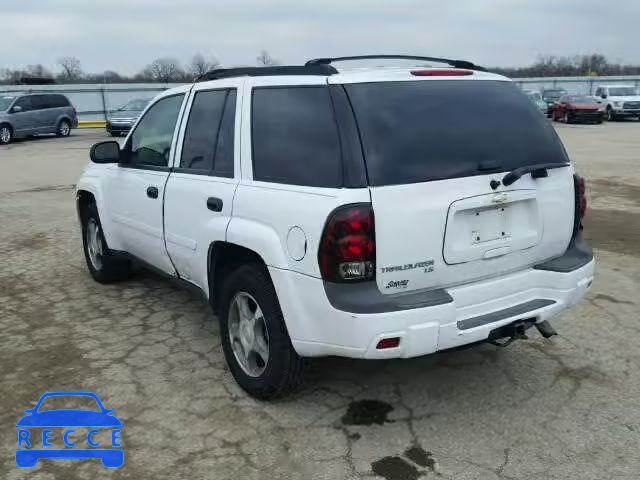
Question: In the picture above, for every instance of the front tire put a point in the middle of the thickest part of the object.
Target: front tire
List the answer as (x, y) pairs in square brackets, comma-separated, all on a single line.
[(64, 128), (103, 265), (611, 116), (6, 134), (254, 336)]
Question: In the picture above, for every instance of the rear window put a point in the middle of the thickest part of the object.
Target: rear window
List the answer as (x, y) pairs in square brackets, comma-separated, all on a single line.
[(434, 130), (295, 137)]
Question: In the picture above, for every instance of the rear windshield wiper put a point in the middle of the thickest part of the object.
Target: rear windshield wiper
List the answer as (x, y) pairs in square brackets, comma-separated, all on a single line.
[(536, 171)]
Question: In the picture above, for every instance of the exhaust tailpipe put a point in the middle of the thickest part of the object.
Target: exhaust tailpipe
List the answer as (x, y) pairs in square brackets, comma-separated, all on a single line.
[(545, 329)]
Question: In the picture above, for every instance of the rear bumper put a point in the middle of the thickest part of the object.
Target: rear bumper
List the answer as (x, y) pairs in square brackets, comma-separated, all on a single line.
[(318, 328)]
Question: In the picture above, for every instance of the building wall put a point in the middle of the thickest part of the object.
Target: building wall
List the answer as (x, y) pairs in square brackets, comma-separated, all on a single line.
[(93, 101)]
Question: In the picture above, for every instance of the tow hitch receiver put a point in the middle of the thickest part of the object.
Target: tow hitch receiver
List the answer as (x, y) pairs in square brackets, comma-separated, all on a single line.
[(512, 332)]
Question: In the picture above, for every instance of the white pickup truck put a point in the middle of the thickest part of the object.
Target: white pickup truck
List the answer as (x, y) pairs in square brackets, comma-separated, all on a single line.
[(376, 213), (619, 101)]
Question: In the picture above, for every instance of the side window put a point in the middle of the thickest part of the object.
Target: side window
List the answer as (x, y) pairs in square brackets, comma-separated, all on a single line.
[(47, 101), (57, 101), (150, 143), (25, 103), (208, 140), (598, 92), (295, 137)]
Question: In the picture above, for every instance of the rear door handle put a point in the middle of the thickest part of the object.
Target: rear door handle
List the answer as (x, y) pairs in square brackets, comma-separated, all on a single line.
[(214, 204), (152, 192)]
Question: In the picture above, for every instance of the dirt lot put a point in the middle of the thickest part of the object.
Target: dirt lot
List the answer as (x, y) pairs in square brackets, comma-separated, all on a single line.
[(566, 408)]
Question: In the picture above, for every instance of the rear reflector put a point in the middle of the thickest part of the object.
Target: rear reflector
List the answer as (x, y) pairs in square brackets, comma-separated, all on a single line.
[(392, 342), (450, 72)]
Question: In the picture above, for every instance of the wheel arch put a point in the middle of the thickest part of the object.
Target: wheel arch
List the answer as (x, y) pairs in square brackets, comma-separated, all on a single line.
[(222, 258)]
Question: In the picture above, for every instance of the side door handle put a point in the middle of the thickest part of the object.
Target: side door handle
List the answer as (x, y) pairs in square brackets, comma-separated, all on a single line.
[(152, 192), (214, 204)]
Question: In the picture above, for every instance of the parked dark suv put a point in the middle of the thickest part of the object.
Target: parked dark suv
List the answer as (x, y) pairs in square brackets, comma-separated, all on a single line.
[(32, 114)]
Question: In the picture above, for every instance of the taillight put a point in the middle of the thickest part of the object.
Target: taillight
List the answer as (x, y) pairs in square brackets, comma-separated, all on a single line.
[(347, 249), (581, 201)]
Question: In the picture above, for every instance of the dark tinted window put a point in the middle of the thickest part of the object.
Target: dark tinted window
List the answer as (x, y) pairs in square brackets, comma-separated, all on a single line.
[(57, 101), (39, 102), (150, 143), (25, 103), (224, 151), (432, 130), (295, 138), (208, 140)]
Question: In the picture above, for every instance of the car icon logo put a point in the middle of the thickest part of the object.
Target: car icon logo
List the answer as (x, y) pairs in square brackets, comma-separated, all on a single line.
[(32, 446)]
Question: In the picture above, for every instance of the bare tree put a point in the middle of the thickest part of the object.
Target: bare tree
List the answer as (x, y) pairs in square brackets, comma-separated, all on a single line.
[(266, 60), (163, 70), (71, 68), (200, 65)]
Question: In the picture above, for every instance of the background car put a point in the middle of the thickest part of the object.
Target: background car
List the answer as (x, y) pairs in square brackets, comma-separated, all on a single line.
[(551, 95), (577, 108), (619, 101), (121, 120), (536, 98), (32, 114)]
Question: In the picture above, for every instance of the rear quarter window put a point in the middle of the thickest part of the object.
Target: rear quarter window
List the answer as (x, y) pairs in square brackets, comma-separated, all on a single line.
[(434, 130), (295, 137)]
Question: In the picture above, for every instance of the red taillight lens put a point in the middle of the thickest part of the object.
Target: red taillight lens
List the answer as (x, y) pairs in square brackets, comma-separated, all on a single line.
[(582, 199), (347, 249), (450, 72), (581, 202), (388, 343)]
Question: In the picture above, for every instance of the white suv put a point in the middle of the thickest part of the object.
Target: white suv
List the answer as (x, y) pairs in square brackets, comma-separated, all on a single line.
[(377, 213), (619, 101)]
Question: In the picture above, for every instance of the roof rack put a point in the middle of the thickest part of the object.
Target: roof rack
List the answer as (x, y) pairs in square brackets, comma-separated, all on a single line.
[(454, 63), (319, 69)]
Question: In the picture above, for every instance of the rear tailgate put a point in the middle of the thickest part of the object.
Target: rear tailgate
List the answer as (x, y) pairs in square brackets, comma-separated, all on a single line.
[(436, 152)]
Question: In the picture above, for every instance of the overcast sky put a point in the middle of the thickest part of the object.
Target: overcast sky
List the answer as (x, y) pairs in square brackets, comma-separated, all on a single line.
[(125, 35)]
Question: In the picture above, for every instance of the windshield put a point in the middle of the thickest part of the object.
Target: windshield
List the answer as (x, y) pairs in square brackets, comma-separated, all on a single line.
[(553, 94), (534, 96), (581, 100), (5, 102), (432, 130), (135, 105), (622, 91)]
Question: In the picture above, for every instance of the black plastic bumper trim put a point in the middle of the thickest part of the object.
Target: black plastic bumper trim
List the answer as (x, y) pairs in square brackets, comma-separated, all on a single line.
[(577, 255), (366, 298), (504, 313)]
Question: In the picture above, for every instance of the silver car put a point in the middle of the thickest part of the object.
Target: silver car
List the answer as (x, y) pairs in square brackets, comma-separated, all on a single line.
[(32, 114), (121, 120)]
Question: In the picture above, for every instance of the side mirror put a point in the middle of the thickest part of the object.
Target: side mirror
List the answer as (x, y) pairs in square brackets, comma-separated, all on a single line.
[(604, 95), (16, 109), (105, 152)]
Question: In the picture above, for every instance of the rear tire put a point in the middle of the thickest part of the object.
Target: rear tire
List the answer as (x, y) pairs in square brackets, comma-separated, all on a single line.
[(6, 134), (284, 368), (103, 265), (64, 128)]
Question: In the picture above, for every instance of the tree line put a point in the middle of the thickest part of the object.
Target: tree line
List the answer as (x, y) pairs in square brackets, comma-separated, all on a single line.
[(171, 70), (593, 64), (161, 70)]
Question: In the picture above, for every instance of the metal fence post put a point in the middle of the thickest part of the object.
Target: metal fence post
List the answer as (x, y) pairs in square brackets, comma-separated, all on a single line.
[(104, 103)]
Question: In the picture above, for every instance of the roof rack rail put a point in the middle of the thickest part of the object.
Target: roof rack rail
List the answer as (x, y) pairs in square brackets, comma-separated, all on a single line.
[(319, 69), (453, 63)]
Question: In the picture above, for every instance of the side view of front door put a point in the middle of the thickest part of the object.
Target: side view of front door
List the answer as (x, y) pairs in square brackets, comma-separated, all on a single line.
[(137, 189)]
